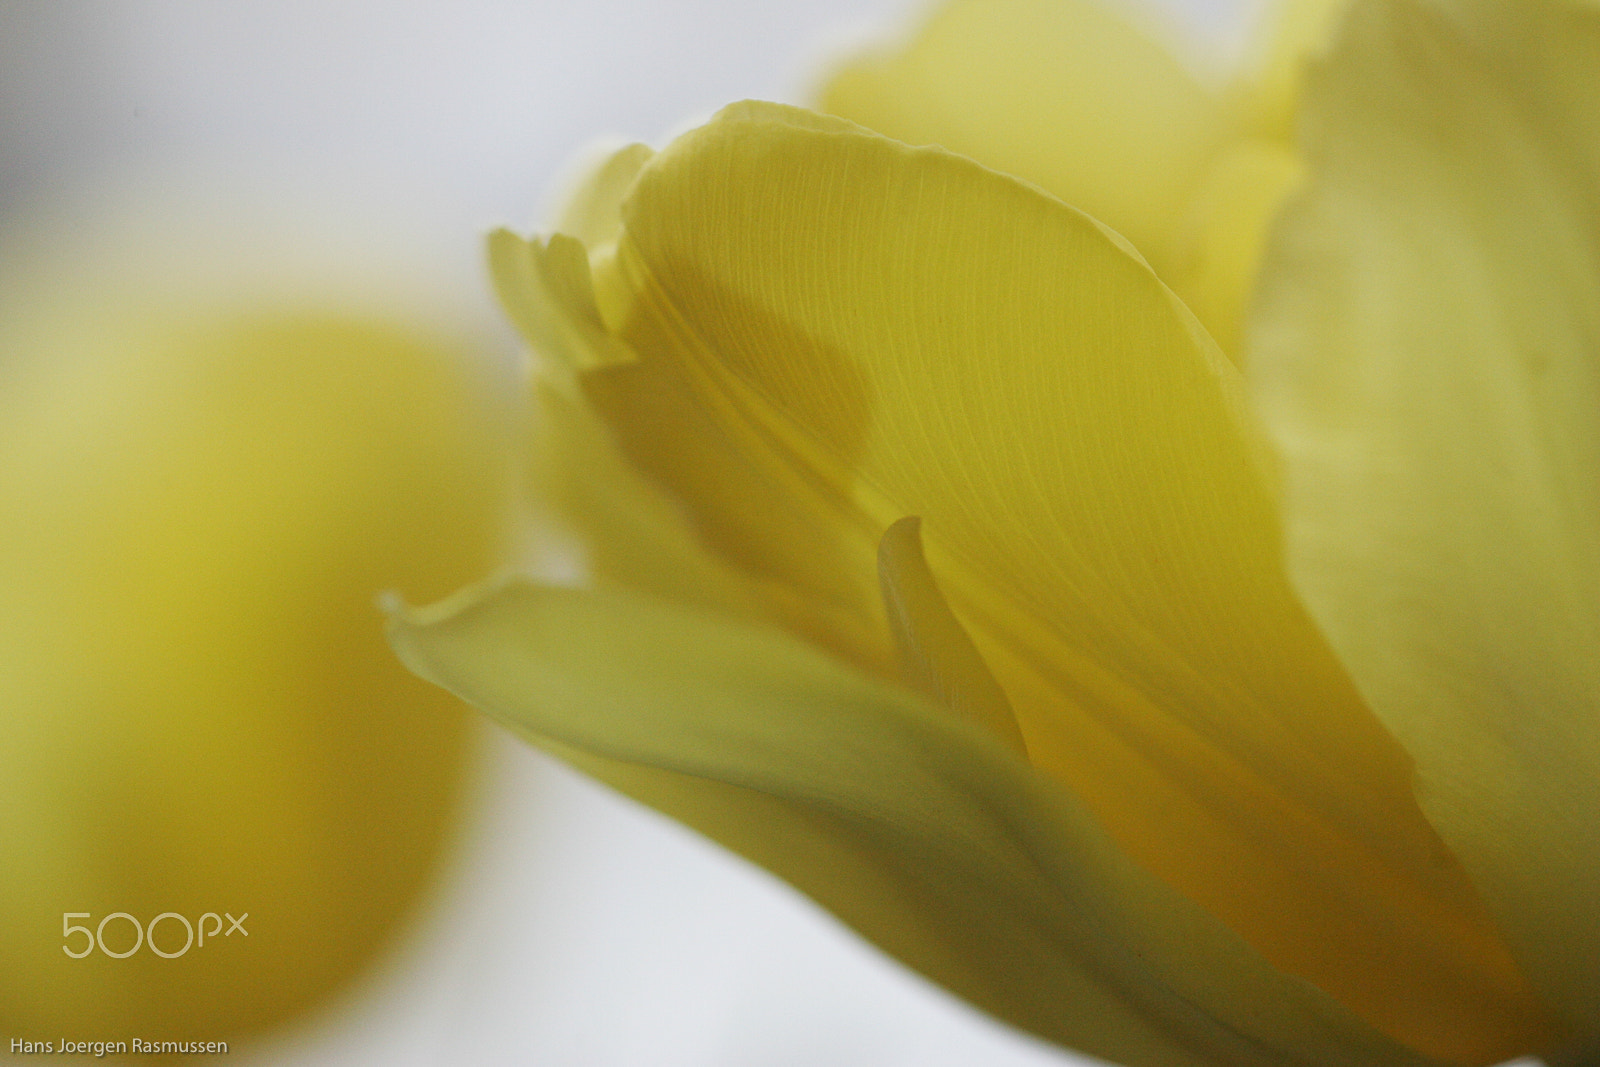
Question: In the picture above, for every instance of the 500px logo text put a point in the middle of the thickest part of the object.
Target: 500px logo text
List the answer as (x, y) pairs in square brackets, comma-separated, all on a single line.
[(145, 935)]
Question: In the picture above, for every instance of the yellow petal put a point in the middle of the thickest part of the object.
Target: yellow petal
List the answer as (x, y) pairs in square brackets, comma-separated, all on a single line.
[(1429, 357), (1068, 95), (1214, 255), (922, 830), (634, 532), (1290, 35), (546, 288), (834, 330), (935, 649), (1090, 106), (593, 213)]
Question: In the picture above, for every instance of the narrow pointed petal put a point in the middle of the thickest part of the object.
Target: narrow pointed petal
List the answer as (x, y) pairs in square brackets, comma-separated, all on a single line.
[(833, 330), (923, 831), (935, 649), (1429, 358)]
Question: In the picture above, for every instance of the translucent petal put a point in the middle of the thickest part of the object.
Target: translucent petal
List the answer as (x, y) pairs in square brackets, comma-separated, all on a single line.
[(1086, 102), (1429, 358), (547, 290), (633, 531), (923, 831), (834, 330)]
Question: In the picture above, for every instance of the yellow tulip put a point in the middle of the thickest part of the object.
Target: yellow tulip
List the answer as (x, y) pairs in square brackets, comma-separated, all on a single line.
[(219, 795), (1179, 708)]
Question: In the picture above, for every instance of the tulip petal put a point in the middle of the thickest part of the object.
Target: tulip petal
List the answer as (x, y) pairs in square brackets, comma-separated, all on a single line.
[(1289, 36), (1067, 94), (1087, 102), (1213, 257), (633, 531), (1429, 357), (593, 213), (834, 330), (923, 831), (546, 288), (935, 649)]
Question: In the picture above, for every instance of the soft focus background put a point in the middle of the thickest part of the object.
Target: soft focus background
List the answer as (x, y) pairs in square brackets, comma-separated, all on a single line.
[(362, 140)]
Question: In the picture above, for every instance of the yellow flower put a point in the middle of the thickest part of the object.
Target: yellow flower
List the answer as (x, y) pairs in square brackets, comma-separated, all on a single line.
[(200, 500), (1178, 708)]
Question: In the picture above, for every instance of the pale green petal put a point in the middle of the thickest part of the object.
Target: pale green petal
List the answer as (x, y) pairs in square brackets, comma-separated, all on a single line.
[(1429, 358), (834, 330), (921, 830), (1067, 94)]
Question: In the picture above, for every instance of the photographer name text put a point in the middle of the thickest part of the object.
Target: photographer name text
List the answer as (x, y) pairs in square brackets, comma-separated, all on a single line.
[(20, 1047)]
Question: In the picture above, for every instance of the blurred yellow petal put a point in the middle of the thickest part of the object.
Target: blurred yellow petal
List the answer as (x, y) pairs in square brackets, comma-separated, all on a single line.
[(920, 829), (831, 330), (1067, 94), (1429, 358), (1290, 35), (198, 508), (1215, 253)]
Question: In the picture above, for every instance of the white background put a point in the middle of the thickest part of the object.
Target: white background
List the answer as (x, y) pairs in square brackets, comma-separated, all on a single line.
[(574, 929)]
